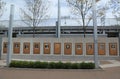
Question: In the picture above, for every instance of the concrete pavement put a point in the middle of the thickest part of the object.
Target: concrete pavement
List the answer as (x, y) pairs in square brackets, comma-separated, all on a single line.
[(2, 63), (13, 73), (112, 63)]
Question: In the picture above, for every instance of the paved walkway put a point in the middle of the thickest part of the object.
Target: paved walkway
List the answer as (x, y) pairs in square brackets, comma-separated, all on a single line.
[(2, 63), (13, 73), (112, 63)]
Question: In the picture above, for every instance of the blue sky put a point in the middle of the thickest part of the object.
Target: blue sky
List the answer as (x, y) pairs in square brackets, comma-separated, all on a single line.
[(65, 11)]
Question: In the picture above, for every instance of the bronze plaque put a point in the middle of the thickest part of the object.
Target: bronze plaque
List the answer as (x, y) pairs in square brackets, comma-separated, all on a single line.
[(67, 48), (26, 48), (78, 48), (90, 48), (101, 48), (113, 48), (47, 48), (36, 48), (5, 47), (16, 48), (57, 48)]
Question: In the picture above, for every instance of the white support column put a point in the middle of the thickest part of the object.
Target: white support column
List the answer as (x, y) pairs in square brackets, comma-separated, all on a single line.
[(95, 35), (41, 47), (0, 47), (59, 21), (10, 35), (119, 44)]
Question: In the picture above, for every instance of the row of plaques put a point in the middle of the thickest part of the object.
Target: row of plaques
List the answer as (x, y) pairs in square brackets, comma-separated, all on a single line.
[(67, 48)]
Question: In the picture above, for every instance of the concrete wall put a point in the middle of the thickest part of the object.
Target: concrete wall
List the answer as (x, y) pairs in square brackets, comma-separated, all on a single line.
[(63, 40)]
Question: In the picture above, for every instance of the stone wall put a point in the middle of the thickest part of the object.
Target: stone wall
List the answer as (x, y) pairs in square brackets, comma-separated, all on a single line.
[(62, 55)]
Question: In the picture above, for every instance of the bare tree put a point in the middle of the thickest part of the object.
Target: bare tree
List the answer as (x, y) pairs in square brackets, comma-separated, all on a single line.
[(2, 7), (82, 9), (115, 6), (35, 12)]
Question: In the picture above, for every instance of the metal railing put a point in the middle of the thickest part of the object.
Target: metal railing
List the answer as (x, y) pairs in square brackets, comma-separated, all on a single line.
[(64, 22)]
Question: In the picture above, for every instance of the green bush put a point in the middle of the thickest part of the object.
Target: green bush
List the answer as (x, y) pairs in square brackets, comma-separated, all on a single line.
[(67, 65), (84, 65), (37, 64), (75, 66), (51, 65), (59, 65), (44, 65)]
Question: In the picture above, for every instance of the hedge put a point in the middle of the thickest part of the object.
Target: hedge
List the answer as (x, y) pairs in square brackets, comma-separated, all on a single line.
[(51, 65)]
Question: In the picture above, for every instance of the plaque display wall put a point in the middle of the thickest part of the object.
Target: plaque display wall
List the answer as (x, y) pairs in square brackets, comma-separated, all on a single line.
[(26, 48), (101, 48), (113, 48), (5, 46), (67, 48), (47, 48), (78, 48), (89, 48), (16, 48), (36, 48), (57, 48)]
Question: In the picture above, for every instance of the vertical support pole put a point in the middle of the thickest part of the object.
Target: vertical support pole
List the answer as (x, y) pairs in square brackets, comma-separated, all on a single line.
[(119, 43), (10, 35), (59, 21), (0, 47), (95, 34)]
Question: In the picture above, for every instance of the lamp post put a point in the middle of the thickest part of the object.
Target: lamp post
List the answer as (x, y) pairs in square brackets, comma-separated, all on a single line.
[(95, 35), (10, 35)]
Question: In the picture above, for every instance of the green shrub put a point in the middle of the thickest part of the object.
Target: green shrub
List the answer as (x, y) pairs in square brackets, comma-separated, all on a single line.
[(84, 65), (44, 65), (37, 64), (59, 65), (12, 64), (75, 66), (67, 65), (52, 65)]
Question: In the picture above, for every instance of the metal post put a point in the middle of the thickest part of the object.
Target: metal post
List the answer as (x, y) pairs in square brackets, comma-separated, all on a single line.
[(10, 35), (119, 43), (0, 46), (95, 35), (59, 20)]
